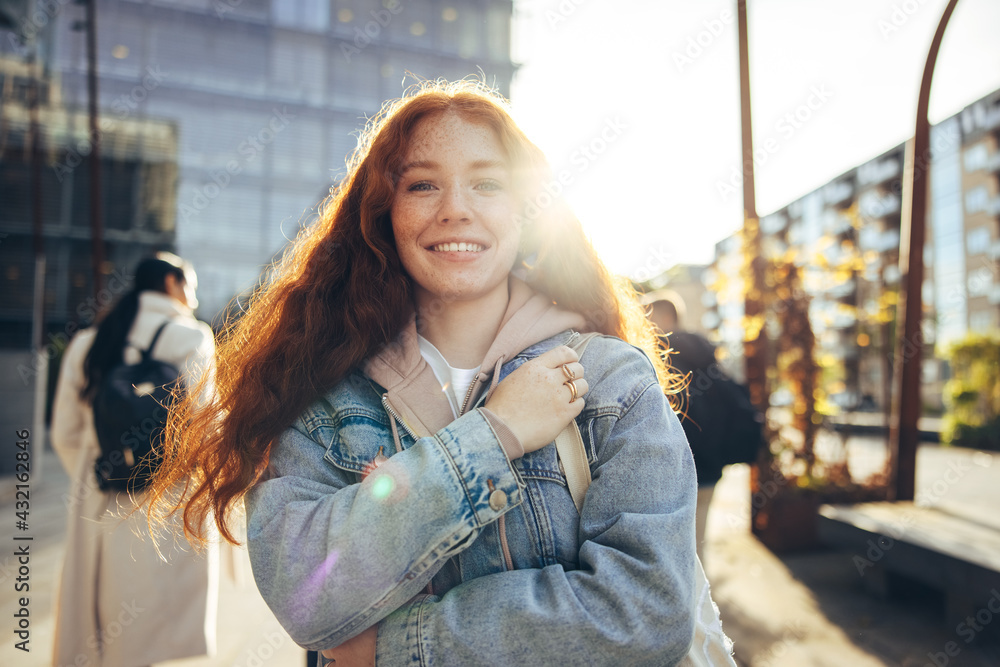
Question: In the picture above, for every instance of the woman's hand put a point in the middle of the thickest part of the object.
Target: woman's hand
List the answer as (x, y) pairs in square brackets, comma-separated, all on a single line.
[(534, 401), (358, 651)]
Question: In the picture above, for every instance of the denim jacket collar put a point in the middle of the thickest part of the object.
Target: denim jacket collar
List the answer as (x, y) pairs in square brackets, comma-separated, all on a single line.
[(413, 391)]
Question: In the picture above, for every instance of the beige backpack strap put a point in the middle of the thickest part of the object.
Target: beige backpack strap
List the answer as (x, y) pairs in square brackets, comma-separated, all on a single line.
[(569, 444), (710, 647)]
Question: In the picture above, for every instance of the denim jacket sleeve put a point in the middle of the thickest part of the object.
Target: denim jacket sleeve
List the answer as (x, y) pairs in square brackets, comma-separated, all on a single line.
[(631, 600), (332, 556)]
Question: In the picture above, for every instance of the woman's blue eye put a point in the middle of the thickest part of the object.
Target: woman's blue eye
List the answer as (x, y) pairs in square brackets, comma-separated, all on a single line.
[(420, 187), (490, 185)]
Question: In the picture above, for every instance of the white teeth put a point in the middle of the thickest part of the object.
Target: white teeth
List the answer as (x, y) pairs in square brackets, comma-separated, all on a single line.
[(458, 247)]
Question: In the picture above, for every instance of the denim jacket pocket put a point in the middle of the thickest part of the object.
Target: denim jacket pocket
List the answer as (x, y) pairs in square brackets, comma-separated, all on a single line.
[(354, 438)]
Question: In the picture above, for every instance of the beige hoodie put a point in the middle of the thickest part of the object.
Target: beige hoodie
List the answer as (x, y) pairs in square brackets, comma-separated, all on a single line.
[(412, 390)]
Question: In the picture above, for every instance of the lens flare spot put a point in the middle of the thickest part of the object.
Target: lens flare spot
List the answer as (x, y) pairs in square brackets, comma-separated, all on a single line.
[(324, 569), (382, 487), (312, 587)]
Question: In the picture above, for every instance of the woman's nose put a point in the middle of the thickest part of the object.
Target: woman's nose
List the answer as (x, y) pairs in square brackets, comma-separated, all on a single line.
[(455, 206)]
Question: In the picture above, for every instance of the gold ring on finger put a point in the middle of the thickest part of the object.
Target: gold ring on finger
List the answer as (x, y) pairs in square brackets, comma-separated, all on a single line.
[(572, 390), (568, 372)]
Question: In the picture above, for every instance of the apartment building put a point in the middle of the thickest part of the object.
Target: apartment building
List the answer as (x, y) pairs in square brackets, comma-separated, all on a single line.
[(845, 237)]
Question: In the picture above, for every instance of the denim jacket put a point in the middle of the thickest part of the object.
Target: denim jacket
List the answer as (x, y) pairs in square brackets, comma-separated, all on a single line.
[(417, 544)]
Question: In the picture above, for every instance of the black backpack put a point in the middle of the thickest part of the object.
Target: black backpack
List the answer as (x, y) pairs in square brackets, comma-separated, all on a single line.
[(130, 412)]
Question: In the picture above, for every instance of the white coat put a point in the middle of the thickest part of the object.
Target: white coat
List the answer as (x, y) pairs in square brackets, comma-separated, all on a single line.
[(118, 603)]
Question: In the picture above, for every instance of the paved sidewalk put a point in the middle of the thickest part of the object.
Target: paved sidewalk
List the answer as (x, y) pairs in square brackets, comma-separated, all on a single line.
[(799, 611), (810, 610), (248, 634)]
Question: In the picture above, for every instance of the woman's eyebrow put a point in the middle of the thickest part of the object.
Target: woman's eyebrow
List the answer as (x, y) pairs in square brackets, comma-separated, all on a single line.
[(418, 164), (489, 164), (430, 164)]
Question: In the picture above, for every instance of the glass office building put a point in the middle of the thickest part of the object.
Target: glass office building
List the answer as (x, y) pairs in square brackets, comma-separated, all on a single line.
[(268, 97)]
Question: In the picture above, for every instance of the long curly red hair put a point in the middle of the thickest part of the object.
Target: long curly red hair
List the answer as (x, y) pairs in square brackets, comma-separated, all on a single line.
[(340, 293)]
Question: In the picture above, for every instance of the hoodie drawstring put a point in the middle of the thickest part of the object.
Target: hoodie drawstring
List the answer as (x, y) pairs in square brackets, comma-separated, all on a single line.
[(496, 378)]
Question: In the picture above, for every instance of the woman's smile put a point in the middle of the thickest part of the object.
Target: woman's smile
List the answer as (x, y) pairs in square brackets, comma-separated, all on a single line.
[(461, 246)]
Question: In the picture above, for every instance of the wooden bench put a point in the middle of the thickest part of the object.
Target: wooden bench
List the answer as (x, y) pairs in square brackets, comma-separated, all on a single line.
[(951, 547)]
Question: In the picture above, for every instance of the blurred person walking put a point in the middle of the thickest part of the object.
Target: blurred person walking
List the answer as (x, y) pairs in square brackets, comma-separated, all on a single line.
[(721, 424), (126, 598)]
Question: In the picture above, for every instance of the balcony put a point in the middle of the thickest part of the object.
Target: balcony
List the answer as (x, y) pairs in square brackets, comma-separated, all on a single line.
[(993, 162), (875, 205), (774, 223), (993, 207), (839, 193), (879, 171)]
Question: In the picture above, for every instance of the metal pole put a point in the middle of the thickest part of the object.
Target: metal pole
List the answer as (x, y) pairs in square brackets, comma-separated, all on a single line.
[(96, 221), (906, 404), (746, 127), (38, 306), (754, 352)]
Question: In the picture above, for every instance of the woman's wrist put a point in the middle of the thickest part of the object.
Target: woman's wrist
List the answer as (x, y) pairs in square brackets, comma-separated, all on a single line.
[(511, 444)]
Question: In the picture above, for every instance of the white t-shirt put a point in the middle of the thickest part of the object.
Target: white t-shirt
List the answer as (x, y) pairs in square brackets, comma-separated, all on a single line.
[(454, 382)]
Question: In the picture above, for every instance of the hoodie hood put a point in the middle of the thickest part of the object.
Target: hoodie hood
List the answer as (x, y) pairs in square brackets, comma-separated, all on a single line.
[(413, 391)]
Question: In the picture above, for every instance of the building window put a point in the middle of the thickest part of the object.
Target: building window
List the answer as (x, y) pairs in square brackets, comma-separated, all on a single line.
[(498, 32), (298, 66), (978, 241), (980, 282), (982, 321), (461, 31), (976, 157), (977, 199), (311, 15), (355, 79)]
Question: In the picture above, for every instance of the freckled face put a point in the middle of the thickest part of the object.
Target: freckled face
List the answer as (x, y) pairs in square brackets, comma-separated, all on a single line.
[(454, 211)]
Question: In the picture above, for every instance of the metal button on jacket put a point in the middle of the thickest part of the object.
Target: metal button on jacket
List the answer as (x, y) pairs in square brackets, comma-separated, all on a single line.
[(498, 500)]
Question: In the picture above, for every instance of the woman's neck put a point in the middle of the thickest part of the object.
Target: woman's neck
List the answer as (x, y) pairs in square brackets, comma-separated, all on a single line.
[(462, 330)]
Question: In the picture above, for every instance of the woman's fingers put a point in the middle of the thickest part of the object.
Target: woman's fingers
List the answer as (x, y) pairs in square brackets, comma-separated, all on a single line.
[(558, 356), (540, 398), (577, 388), (571, 371)]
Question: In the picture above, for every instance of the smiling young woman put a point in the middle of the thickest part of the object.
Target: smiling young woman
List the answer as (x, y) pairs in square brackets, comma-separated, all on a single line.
[(386, 409)]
